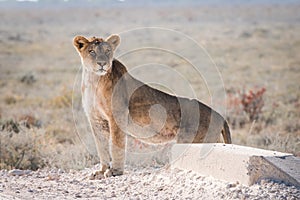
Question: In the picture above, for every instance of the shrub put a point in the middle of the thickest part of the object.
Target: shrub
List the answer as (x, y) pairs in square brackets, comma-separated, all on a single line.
[(253, 103), (20, 150), (24, 144), (244, 107)]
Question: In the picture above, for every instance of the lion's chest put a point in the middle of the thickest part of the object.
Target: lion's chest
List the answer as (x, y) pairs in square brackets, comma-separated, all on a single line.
[(94, 100)]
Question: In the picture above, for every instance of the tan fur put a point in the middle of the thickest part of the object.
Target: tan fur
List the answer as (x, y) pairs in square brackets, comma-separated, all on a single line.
[(115, 103)]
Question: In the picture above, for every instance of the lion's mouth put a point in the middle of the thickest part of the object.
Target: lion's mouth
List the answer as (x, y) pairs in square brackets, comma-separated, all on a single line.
[(100, 71)]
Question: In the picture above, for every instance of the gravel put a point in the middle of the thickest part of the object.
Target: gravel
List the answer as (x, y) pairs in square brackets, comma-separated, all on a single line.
[(136, 183)]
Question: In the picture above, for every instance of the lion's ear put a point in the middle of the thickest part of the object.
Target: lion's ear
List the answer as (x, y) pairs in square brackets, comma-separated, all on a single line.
[(114, 41), (79, 42)]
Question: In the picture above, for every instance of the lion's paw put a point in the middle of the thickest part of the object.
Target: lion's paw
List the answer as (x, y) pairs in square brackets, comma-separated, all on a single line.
[(113, 172), (97, 175)]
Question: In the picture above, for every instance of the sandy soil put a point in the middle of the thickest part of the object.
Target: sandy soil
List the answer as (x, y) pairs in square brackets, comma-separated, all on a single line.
[(137, 183), (254, 46)]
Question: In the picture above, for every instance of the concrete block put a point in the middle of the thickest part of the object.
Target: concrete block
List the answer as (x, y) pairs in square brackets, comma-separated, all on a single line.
[(235, 163)]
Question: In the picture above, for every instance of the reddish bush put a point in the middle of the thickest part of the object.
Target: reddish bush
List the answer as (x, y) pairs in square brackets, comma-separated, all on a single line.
[(244, 106), (253, 103)]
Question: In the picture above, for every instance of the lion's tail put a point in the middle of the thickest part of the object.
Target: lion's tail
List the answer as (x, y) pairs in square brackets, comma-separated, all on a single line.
[(226, 133)]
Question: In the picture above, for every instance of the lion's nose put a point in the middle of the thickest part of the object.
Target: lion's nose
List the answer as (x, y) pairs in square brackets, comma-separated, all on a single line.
[(101, 63)]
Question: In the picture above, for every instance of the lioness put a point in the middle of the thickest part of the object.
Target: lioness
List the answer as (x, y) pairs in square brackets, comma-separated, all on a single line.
[(117, 104)]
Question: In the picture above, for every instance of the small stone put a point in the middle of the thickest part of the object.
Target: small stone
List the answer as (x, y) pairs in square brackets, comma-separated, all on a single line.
[(52, 177), (230, 185), (113, 195), (18, 172), (78, 196)]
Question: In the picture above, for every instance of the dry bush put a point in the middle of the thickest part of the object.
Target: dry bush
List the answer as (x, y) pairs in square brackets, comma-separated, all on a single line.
[(32, 148), (253, 103), (10, 126), (10, 99), (244, 107), (28, 79), (20, 150)]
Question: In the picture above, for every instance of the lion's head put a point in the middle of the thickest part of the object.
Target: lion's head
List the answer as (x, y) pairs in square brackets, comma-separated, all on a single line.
[(96, 53)]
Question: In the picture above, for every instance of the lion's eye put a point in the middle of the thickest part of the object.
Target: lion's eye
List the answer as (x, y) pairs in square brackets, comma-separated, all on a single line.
[(92, 52)]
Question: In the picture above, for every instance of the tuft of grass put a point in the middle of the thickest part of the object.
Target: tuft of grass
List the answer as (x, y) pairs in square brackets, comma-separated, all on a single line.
[(64, 99), (28, 79), (10, 125), (10, 100)]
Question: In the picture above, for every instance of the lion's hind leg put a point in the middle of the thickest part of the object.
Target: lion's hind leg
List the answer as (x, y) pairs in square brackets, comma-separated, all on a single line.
[(226, 133)]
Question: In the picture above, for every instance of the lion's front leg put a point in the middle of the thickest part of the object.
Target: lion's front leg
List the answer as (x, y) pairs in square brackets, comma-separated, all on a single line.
[(118, 139), (100, 129)]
